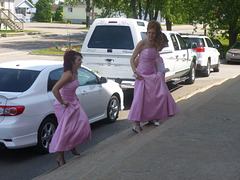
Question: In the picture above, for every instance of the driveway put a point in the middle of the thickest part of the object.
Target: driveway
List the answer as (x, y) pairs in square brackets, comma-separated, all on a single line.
[(55, 28)]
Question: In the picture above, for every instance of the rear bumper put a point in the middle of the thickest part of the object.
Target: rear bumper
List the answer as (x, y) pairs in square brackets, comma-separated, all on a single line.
[(201, 68)]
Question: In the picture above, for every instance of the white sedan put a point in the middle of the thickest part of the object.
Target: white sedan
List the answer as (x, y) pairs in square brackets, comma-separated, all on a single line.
[(26, 101)]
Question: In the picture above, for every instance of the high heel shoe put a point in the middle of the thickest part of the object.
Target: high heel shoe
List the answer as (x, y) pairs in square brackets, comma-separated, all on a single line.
[(74, 152), (60, 162), (137, 129), (156, 123)]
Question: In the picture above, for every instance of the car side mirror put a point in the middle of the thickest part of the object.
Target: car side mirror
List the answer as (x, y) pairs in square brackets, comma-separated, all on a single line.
[(216, 45), (193, 45), (103, 80)]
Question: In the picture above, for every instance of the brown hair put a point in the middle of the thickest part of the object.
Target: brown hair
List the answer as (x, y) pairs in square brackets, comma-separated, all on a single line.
[(159, 37), (69, 57)]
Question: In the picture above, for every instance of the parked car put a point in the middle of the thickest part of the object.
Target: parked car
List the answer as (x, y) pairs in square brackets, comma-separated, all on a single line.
[(26, 101), (218, 45), (110, 42), (233, 54), (207, 54)]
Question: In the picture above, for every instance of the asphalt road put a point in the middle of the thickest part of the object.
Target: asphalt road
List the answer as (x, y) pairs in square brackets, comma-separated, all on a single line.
[(27, 163)]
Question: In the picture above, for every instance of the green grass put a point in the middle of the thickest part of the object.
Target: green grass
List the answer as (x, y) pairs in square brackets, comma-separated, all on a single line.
[(225, 43), (10, 31), (48, 52), (57, 51), (6, 31)]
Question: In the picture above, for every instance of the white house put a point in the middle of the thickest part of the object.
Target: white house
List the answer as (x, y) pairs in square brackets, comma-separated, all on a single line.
[(13, 13), (77, 14), (23, 10)]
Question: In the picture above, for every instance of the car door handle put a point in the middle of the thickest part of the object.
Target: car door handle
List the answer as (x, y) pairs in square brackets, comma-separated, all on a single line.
[(84, 92), (109, 60), (177, 57)]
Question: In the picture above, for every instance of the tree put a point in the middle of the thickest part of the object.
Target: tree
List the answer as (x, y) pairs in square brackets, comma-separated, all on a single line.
[(219, 15), (58, 16), (226, 18), (43, 11)]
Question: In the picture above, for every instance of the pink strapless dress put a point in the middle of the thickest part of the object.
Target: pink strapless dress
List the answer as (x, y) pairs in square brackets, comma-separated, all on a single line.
[(73, 124), (152, 100)]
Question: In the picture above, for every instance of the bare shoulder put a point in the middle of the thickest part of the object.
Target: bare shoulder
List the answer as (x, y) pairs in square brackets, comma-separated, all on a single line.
[(141, 44), (67, 76)]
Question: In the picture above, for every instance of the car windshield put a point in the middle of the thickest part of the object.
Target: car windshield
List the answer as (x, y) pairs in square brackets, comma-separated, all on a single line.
[(236, 45), (199, 41), (111, 37), (16, 80)]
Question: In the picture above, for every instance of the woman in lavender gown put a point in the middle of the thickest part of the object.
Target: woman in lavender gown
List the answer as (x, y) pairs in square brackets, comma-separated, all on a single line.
[(152, 100), (73, 124)]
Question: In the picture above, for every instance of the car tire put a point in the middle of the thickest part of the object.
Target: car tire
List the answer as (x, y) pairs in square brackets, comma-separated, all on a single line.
[(113, 109), (216, 69), (207, 72), (45, 134), (192, 74)]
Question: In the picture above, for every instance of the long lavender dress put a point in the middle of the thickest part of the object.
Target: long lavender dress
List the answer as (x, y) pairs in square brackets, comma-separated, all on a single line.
[(152, 99), (73, 124)]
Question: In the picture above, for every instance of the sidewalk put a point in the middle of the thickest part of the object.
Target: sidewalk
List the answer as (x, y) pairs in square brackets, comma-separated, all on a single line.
[(201, 143)]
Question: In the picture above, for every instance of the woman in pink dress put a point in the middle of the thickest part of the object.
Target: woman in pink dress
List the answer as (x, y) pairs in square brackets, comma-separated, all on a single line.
[(152, 100), (73, 124)]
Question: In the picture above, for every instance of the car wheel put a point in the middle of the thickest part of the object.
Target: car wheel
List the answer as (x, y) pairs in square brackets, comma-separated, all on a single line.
[(207, 72), (45, 134), (192, 74), (216, 69), (113, 109)]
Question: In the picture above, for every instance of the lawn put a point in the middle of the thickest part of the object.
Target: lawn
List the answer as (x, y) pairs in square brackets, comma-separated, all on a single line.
[(56, 51)]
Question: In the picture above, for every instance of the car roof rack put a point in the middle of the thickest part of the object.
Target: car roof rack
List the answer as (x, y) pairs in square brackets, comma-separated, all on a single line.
[(191, 34)]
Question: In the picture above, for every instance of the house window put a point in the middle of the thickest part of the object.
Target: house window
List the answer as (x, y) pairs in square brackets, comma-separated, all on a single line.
[(70, 10)]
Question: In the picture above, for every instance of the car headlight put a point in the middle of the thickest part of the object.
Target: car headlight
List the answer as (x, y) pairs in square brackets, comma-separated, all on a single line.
[(228, 53)]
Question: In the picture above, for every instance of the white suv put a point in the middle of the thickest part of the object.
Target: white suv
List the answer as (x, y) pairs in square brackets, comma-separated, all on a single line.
[(110, 42), (207, 54)]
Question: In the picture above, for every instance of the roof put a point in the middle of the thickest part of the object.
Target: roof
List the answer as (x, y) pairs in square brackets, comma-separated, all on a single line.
[(37, 65), (23, 3)]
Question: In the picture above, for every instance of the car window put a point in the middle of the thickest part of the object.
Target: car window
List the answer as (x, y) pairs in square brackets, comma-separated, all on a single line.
[(182, 42), (188, 41), (175, 43), (198, 41), (111, 37), (236, 45), (165, 39), (144, 35), (54, 77), (16, 80), (209, 42), (86, 77)]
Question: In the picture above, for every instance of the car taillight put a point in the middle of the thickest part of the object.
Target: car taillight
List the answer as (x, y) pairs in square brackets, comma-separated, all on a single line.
[(200, 49), (11, 110)]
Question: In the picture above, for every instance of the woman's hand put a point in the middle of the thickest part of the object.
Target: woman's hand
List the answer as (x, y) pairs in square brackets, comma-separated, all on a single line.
[(137, 76), (65, 104)]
